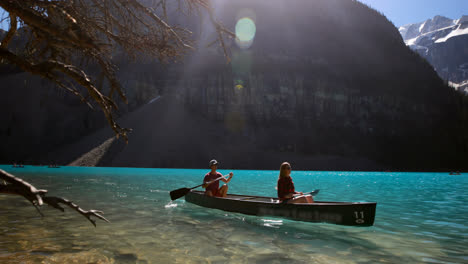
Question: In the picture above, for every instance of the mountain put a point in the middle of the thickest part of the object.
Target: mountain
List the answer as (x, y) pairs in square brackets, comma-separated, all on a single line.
[(167, 133), (413, 31), (442, 41), (325, 84), (37, 117)]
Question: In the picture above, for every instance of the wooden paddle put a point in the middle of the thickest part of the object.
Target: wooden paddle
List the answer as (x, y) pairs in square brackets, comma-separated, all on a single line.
[(176, 194)]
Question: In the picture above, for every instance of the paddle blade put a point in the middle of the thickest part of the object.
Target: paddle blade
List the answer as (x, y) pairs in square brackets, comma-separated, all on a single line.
[(176, 194), (314, 192)]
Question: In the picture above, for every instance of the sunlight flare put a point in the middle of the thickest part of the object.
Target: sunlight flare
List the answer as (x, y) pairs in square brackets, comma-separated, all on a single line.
[(245, 32)]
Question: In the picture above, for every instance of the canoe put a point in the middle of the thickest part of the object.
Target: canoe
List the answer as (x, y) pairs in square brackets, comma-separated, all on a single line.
[(340, 213)]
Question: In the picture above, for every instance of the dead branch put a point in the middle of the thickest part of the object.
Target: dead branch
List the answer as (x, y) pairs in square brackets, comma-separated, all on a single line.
[(61, 33), (51, 70), (17, 186), (55, 202)]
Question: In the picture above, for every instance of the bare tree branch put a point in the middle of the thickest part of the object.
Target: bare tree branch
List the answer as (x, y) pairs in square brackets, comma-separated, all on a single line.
[(17, 186), (55, 202), (52, 69), (61, 33)]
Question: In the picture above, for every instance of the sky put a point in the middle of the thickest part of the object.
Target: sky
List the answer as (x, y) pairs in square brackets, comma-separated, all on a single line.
[(402, 12)]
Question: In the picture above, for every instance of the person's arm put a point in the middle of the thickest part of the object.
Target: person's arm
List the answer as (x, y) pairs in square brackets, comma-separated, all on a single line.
[(228, 179), (205, 182)]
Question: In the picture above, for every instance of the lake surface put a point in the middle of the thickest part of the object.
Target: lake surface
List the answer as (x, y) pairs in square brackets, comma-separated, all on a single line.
[(421, 218)]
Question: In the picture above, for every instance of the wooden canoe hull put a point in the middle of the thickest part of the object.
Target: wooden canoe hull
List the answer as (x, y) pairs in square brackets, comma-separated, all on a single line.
[(340, 213)]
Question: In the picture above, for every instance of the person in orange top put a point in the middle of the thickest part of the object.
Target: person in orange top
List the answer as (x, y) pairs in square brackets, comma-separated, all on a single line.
[(286, 191)]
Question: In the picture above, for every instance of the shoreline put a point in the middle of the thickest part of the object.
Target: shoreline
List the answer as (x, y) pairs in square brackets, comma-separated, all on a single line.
[(5, 166)]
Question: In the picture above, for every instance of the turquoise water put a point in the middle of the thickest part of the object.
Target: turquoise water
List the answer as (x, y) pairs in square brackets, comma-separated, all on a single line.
[(421, 218)]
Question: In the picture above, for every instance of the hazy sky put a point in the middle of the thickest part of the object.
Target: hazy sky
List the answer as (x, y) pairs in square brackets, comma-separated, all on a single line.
[(402, 12)]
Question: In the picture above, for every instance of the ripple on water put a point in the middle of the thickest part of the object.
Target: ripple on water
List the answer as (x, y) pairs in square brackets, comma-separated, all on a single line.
[(432, 235), (272, 223), (170, 205), (446, 224)]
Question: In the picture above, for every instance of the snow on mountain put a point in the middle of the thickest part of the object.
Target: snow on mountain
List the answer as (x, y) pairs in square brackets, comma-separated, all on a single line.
[(436, 30), (461, 30), (412, 31), (462, 87), (442, 41)]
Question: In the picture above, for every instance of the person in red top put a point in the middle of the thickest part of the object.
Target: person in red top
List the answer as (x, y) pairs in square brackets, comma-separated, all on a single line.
[(286, 191), (211, 186)]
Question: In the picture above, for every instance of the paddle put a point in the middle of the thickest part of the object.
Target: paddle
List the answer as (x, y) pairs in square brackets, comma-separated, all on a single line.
[(313, 193), (176, 194)]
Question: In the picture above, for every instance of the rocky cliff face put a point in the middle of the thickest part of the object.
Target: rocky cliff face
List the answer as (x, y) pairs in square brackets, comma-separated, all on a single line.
[(443, 42), (36, 117)]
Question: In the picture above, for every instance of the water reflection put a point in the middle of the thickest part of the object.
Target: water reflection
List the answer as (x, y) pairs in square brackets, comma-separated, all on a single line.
[(272, 223)]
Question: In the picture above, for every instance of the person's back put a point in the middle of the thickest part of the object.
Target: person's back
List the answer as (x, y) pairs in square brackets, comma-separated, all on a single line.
[(286, 190), (285, 187)]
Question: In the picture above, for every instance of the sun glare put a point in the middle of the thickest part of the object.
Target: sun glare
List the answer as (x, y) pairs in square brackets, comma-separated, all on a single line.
[(245, 32)]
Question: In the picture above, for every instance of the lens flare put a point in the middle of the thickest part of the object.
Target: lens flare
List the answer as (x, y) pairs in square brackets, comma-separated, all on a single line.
[(245, 32), (238, 84)]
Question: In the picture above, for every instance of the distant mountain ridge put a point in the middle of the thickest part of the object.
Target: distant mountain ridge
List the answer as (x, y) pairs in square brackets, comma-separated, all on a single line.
[(442, 41), (439, 28)]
